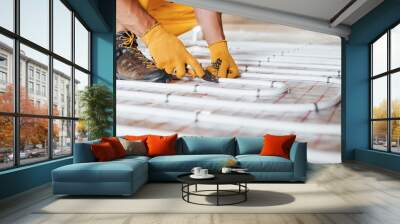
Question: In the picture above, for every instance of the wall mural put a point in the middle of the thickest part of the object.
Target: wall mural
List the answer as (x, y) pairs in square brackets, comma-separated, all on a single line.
[(290, 83)]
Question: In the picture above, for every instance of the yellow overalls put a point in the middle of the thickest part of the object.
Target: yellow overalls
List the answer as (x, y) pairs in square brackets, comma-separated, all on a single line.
[(175, 18)]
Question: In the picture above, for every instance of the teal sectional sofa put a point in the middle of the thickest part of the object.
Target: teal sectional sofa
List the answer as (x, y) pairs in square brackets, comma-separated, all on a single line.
[(125, 176)]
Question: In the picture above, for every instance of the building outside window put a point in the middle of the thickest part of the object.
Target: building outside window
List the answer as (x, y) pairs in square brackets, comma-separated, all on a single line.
[(38, 89), (3, 61), (37, 74), (30, 87), (30, 72), (3, 78), (385, 91), (56, 129), (43, 90), (3, 72)]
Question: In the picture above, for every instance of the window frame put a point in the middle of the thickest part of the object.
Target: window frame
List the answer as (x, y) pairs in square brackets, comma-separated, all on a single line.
[(15, 68), (388, 74)]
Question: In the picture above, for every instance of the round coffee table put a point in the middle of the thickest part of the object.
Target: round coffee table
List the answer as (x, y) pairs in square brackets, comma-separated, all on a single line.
[(238, 179)]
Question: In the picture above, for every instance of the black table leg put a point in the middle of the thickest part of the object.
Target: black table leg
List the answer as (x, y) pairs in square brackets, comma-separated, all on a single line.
[(217, 194), (182, 190), (245, 193), (188, 190)]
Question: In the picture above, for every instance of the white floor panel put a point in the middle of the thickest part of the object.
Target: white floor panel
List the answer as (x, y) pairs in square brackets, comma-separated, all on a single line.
[(284, 88)]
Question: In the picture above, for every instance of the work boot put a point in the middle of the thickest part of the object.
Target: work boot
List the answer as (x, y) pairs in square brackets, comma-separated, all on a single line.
[(132, 64)]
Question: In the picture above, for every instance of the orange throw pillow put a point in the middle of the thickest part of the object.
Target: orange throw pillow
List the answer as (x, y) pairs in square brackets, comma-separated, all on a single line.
[(277, 145), (116, 145), (136, 137), (103, 152), (161, 145)]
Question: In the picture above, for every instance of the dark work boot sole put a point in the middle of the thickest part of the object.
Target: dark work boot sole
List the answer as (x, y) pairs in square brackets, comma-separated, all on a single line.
[(209, 77), (156, 76)]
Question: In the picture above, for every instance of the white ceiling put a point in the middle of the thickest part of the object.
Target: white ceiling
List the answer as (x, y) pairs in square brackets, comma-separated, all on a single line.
[(321, 9), (313, 15)]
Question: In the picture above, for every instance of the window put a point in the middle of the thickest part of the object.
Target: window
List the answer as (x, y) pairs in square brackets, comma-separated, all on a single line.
[(7, 14), (81, 45), (6, 142), (38, 74), (3, 78), (3, 72), (62, 29), (62, 74), (6, 73), (34, 21), (48, 78), (30, 72), (81, 81), (44, 91), (3, 61), (37, 89), (30, 87), (385, 94), (62, 137)]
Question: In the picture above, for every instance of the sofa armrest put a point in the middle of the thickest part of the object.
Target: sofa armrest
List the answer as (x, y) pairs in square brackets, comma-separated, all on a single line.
[(298, 155), (83, 152)]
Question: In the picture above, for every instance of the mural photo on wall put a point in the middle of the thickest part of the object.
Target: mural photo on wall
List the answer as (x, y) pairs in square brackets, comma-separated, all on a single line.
[(194, 72)]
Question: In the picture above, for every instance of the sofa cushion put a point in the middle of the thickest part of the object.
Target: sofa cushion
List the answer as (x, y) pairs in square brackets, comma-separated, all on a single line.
[(185, 163), (161, 145), (257, 163), (132, 158), (136, 147), (116, 145), (249, 145), (103, 152), (196, 145), (83, 152), (277, 145), (112, 171), (136, 137)]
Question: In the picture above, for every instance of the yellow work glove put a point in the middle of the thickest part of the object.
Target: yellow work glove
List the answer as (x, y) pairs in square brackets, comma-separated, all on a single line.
[(169, 53), (222, 63)]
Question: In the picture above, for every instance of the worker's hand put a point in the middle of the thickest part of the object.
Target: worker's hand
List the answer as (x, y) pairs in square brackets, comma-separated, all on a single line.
[(222, 63), (169, 53)]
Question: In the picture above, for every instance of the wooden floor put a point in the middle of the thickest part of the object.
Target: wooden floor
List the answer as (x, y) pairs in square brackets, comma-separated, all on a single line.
[(378, 189)]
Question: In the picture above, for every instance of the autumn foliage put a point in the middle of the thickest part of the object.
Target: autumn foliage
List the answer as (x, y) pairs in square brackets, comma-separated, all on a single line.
[(380, 127), (33, 131)]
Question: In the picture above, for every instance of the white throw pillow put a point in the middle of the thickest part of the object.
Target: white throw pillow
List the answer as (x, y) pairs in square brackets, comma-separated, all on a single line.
[(137, 148)]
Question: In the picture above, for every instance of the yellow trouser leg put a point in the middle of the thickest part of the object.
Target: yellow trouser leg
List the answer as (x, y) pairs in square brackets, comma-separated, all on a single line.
[(175, 18)]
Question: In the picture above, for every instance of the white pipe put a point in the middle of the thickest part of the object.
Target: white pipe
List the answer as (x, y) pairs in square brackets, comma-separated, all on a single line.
[(294, 61), (251, 46), (265, 60), (263, 70), (133, 130), (202, 88), (258, 63), (132, 96), (126, 111), (305, 59), (326, 79), (263, 83)]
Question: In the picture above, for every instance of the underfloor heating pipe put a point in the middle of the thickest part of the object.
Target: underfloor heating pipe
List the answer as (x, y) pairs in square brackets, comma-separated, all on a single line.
[(270, 89), (126, 111), (132, 97)]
